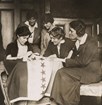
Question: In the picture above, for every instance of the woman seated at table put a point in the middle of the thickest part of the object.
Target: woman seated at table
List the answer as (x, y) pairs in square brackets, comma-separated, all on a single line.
[(59, 44), (18, 49), (82, 68), (58, 48)]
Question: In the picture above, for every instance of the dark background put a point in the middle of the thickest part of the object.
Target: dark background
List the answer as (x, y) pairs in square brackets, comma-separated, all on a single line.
[(77, 8)]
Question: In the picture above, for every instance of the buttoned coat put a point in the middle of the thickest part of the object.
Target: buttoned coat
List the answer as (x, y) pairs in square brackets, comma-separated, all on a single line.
[(84, 67)]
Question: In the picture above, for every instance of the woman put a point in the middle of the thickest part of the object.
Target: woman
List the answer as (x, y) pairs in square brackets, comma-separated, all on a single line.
[(32, 23), (59, 45), (47, 27), (18, 49), (58, 48), (82, 68)]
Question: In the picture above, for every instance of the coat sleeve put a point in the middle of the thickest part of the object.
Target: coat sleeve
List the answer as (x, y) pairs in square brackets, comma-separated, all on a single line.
[(12, 49), (8, 49), (48, 51), (87, 55)]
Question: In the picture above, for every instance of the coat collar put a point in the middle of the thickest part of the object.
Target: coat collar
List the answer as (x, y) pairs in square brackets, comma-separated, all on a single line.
[(35, 26), (83, 39)]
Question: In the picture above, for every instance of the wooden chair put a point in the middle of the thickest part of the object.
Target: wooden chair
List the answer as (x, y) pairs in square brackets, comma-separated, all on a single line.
[(3, 79)]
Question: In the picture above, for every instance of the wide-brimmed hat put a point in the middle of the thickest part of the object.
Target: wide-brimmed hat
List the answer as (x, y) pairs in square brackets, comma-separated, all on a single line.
[(23, 31)]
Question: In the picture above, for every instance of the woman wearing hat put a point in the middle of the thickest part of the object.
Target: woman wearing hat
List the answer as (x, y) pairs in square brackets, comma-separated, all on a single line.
[(19, 48), (82, 68)]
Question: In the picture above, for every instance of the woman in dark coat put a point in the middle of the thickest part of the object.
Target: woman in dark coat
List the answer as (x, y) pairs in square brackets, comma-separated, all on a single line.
[(59, 45), (82, 68), (16, 50)]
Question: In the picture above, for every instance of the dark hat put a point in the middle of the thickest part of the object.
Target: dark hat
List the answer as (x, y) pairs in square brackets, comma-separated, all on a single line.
[(23, 31)]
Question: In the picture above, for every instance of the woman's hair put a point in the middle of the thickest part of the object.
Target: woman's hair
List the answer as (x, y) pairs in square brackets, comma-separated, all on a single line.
[(57, 32), (23, 31), (31, 13), (47, 18), (79, 26)]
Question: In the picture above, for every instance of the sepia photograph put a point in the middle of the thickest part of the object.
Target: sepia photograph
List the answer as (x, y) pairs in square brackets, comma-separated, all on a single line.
[(50, 52)]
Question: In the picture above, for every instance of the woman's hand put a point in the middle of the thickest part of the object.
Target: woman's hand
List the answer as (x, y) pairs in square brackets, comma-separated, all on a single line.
[(35, 56), (60, 60), (27, 55)]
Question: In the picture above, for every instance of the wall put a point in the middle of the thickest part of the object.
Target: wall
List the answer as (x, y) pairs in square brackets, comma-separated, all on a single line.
[(76, 8), (12, 12)]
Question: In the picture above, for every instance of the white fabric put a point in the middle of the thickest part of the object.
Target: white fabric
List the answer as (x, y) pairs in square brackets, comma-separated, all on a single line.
[(56, 66), (40, 74), (81, 40), (77, 44), (22, 50), (94, 89)]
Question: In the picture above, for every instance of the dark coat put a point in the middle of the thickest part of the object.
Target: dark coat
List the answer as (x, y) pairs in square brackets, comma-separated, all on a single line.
[(83, 68), (64, 49), (85, 62), (12, 49)]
